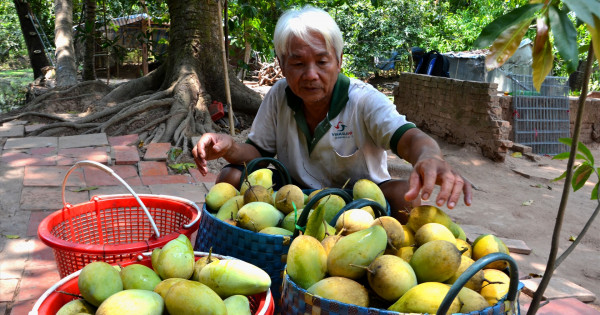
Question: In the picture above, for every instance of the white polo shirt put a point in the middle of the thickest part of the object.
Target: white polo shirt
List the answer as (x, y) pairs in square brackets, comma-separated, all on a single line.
[(349, 144)]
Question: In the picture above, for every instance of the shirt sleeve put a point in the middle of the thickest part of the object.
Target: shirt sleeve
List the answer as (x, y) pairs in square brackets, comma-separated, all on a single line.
[(262, 133)]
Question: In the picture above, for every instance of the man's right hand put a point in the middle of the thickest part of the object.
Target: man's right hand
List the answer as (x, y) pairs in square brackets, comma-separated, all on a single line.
[(211, 146)]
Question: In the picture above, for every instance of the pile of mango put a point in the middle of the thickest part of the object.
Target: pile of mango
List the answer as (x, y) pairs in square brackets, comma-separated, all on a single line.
[(378, 262), (177, 283)]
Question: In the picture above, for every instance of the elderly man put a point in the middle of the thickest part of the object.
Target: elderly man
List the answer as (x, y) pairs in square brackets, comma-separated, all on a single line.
[(326, 128)]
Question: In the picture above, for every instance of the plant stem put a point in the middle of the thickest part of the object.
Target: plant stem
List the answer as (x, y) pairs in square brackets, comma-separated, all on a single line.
[(550, 266), (566, 253)]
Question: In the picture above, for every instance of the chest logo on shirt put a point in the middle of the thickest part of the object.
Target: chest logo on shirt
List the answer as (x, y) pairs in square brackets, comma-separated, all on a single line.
[(340, 131)]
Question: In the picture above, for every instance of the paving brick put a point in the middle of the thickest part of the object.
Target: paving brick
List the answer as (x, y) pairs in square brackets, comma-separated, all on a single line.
[(72, 155), (31, 142), (12, 131), (131, 140), (97, 177), (3, 307), (558, 288), (564, 307), (34, 221), (36, 280), (514, 246), (126, 155), (192, 192), (52, 176), (152, 168), (7, 289), (157, 151), (80, 141), (169, 179), (14, 256), (16, 123), (22, 307), (32, 127), (195, 173), (50, 198), (42, 255), (15, 158), (119, 190)]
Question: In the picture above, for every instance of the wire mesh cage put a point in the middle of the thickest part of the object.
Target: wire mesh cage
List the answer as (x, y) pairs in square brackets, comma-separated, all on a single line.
[(541, 118)]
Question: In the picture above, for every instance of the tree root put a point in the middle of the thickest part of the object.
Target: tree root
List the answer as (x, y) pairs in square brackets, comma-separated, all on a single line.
[(37, 102), (32, 114)]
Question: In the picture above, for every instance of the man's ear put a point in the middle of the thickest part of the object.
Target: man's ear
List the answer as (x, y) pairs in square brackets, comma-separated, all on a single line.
[(340, 62), (281, 65)]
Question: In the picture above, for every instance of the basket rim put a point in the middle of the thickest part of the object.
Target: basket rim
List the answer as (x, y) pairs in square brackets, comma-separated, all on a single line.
[(239, 229), (50, 221)]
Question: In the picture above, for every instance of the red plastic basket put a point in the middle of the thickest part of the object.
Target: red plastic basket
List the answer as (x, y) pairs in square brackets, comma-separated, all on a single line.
[(54, 298), (114, 228)]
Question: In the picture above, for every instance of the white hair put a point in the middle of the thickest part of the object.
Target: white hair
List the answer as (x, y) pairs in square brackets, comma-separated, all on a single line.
[(301, 23)]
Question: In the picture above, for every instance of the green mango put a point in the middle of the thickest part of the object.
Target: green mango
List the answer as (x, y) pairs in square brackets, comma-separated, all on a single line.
[(176, 259), (163, 287), (436, 261), (289, 221), (425, 298), (230, 277), (192, 297), (424, 214), (238, 304), (97, 281), (255, 216), (355, 250), (364, 188), (332, 205), (471, 301), (79, 306), (201, 263), (390, 277), (219, 194), (137, 276), (457, 231), (476, 280), (341, 289), (230, 208), (262, 177), (153, 259), (273, 230), (306, 261), (133, 301)]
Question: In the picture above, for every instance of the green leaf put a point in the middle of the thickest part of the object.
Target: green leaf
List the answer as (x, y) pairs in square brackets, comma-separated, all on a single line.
[(563, 175), (542, 54), (581, 175), (567, 141), (594, 30), (565, 37), (12, 237), (595, 192), (88, 188), (506, 45), (584, 9), (562, 156), (583, 149), (493, 30), (527, 203)]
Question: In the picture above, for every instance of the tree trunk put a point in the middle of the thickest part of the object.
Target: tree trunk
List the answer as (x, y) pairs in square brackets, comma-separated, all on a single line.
[(89, 66), (66, 69), (35, 46)]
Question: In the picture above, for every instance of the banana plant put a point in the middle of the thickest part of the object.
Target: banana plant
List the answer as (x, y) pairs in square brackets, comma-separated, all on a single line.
[(503, 37)]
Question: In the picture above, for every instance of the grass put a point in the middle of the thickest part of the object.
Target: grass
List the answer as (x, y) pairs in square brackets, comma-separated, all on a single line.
[(13, 88)]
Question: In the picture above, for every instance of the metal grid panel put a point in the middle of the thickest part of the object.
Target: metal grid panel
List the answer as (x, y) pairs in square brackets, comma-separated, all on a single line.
[(541, 118)]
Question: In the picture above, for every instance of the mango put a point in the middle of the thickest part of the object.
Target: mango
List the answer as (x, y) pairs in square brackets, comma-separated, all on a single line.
[(192, 297), (471, 301), (354, 250), (230, 208), (289, 221), (457, 231), (390, 277), (201, 263), (132, 301), (257, 193), (409, 237), (97, 281), (78, 306), (273, 230), (364, 188), (315, 225), (435, 261), (287, 197), (476, 280), (262, 177), (329, 241), (176, 259), (433, 231), (153, 259), (427, 214), (219, 194), (495, 285), (238, 304), (486, 244), (138, 276), (406, 253), (464, 247), (353, 220), (163, 287), (231, 277), (332, 204), (256, 216), (306, 261), (394, 231), (341, 289), (425, 298)]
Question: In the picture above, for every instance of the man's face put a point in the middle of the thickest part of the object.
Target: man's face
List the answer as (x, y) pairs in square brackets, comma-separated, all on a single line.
[(311, 70)]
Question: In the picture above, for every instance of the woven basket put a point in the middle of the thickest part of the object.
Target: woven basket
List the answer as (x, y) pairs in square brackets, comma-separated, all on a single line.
[(296, 301)]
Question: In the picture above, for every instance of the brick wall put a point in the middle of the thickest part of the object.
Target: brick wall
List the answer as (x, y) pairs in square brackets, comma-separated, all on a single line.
[(461, 112)]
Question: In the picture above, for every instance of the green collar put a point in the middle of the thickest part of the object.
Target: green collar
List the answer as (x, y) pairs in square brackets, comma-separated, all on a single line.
[(339, 100)]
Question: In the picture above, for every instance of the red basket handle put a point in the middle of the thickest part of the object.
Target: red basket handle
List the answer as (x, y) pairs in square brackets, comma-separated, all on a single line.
[(112, 173)]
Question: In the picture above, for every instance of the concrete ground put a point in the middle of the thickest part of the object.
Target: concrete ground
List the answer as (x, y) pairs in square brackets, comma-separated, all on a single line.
[(32, 170)]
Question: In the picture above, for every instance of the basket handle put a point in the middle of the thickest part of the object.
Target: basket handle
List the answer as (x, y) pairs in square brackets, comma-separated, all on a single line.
[(302, 220), (359, 203), (476, 267), (283, 172), (110, 172)]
